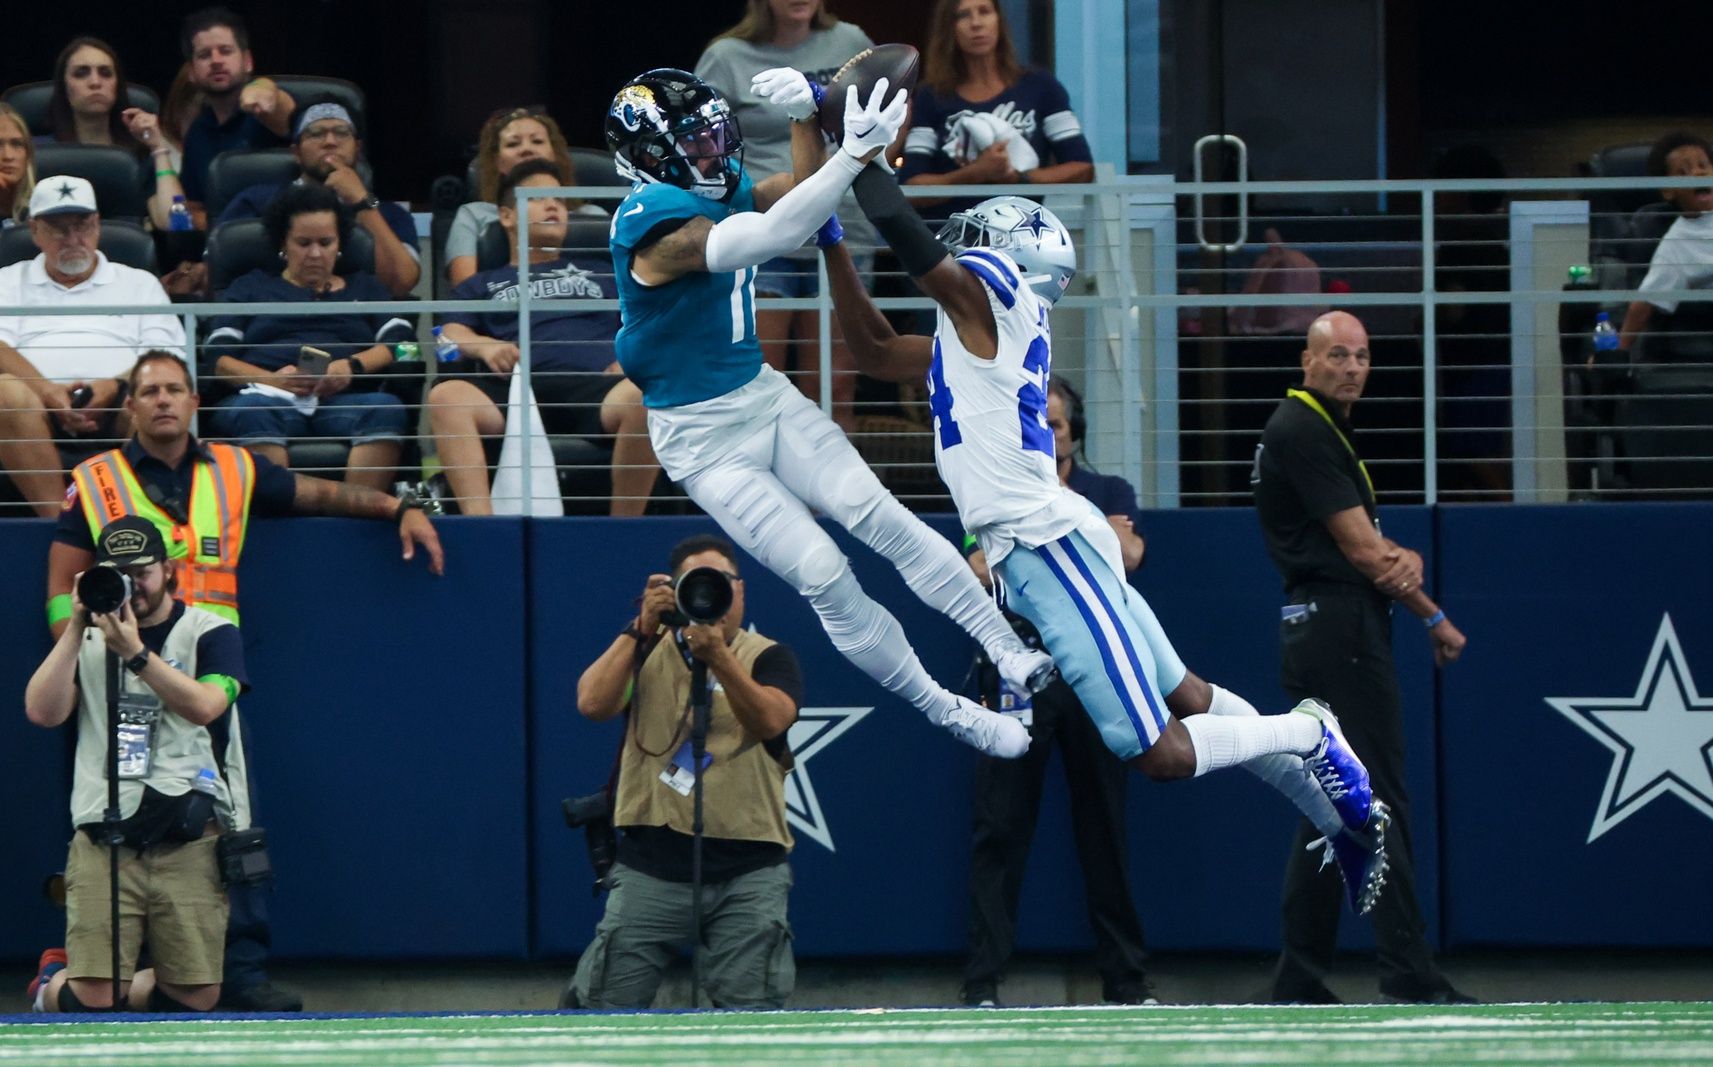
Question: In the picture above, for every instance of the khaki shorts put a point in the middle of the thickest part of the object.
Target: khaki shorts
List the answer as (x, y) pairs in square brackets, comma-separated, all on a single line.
[(170, 893)]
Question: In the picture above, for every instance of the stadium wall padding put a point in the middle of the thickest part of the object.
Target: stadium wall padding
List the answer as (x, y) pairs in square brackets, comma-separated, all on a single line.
[(412, 737)]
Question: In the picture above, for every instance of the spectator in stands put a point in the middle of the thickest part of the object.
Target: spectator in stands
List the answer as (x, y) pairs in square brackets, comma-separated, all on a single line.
[(574, 371), (809, 38), (62, 378), (183, 670), (17, 166), (327, 145), (161, 468), (1008, 792), (189, 277), (90, 104), (1684, 257), (239, 110), (757, 689), (260, 354), (507, 139), (981, 117)]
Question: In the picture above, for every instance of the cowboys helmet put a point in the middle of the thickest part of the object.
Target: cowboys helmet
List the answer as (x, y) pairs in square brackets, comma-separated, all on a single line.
[(1024, 230), (669, 126)]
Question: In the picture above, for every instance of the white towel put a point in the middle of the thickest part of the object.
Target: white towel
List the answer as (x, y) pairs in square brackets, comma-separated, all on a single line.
[(523, 417), (304, 404)]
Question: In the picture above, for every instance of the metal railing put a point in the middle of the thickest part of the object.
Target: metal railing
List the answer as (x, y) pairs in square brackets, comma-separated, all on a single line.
[(1182, 346)]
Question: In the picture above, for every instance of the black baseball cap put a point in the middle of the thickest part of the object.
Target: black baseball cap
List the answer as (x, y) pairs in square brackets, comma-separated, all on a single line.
[(130, 542)]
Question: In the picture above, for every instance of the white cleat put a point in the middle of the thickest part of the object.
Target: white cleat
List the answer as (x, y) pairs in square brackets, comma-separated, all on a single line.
[(1027, 670), (989, 732)]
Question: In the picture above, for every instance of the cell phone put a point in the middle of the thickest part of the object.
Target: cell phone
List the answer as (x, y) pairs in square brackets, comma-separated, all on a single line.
[(313, 361)]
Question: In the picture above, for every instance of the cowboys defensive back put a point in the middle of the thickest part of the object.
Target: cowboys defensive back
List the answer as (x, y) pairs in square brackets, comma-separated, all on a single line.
[(1053, 554)]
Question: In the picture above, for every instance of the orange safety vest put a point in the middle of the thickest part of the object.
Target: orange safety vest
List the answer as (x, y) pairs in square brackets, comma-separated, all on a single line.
[(208, 545)]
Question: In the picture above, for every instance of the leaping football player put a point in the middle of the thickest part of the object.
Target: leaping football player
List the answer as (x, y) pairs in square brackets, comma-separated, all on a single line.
[(995, 272), (743, 443)]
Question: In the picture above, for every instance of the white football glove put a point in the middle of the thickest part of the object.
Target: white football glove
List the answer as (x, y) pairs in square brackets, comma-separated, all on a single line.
[(788, 89), (875, 125)]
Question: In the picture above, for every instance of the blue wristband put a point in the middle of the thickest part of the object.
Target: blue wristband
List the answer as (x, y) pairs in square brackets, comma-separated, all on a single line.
[(816, 91), (1435, 619), (830, 233)]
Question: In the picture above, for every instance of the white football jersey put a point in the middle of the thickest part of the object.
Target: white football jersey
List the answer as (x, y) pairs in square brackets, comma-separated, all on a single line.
[(992, 443)]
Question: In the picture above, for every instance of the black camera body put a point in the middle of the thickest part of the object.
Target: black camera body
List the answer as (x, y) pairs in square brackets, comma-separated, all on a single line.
[(103, 589), (703, 595), (594, 815)]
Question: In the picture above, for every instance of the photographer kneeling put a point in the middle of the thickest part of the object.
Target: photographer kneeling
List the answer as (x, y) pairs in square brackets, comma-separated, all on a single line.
[(757, 688), (180, 767)]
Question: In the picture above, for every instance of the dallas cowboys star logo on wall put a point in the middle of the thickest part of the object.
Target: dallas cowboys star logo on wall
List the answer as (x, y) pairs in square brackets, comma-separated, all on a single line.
[(1660, 738), (814, 730)]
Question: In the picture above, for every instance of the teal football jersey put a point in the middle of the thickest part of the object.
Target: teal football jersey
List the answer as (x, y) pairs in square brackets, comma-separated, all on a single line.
[(693, 338)]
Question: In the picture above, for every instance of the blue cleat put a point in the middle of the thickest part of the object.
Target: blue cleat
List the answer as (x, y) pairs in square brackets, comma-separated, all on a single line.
[(1361, 858), (1337, 768)]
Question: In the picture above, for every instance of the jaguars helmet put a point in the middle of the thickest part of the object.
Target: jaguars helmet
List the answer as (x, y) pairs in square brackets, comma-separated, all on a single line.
[(1024, 230), (669, 126)]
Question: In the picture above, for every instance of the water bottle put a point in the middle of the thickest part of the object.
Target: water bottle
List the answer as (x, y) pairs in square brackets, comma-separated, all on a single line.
[(178, 216), (203, 782), (1605, 335), (445, 348)]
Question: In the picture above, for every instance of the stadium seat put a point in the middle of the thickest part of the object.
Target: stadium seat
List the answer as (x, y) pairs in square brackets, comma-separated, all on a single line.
[(230, 173), (31, 101), (1666, 425), (122, 241), (595, 167), (238, 247), (116, 174), (309, 86)]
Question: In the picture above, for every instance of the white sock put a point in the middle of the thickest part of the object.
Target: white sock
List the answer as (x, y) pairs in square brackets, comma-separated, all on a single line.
[(1222, 741), (1282, 771)]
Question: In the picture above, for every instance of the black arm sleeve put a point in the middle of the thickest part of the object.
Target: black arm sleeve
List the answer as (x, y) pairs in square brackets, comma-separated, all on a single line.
[(918, 250)]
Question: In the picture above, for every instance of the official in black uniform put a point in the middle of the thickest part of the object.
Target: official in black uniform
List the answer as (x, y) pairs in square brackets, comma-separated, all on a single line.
[(1008, 792), (1319, 518)]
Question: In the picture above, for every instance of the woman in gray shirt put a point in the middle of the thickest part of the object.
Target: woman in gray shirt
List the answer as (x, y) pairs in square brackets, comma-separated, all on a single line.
[(802, 34)]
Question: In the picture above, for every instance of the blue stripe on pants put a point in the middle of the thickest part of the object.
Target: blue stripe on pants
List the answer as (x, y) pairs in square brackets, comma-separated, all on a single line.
[(1075, 627), (1130, 646)]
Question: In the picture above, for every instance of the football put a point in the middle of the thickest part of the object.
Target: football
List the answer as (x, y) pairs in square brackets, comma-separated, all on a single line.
[(899, 64)]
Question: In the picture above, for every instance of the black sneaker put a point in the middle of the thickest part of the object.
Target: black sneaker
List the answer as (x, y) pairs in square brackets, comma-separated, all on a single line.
[(981, 995), (1133, 991), (1447, 994), (1308, 994), (263, 997)]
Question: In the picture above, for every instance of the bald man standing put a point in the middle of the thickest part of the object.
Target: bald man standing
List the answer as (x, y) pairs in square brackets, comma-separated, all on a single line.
[(1322, 527)]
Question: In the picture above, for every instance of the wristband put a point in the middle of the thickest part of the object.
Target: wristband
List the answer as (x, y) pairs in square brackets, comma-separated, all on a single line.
[(356, 365), (970, 544), (59, 609), (136, 663), (1435, 619), (166, 173), (408, 504), (633, 633)]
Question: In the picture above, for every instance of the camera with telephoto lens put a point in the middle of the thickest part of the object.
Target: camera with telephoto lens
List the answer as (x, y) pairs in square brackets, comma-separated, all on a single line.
[(703, 594), (103, 589), (594, 814)]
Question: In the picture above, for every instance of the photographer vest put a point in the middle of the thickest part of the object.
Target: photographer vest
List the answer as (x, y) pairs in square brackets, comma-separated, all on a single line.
[(744, 798), (180, 749), (207, 545)]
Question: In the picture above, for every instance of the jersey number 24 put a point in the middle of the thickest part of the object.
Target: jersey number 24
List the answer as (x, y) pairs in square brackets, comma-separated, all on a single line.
[(1034, 433)]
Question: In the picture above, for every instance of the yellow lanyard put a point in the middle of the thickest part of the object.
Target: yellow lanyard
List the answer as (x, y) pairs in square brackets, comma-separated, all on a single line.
[(1309, 399)]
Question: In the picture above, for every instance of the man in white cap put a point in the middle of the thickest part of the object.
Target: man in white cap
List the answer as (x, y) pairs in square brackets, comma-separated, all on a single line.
[(62, 377), (326, 144)]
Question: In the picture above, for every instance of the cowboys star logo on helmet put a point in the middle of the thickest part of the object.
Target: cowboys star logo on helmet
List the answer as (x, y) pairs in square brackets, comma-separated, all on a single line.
[(1031, 235)]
